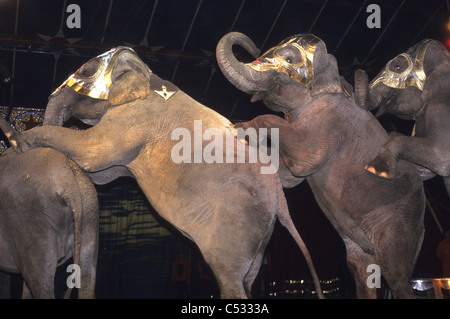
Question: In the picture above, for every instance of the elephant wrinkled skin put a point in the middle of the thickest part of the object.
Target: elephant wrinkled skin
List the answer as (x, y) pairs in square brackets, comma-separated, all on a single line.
[(412, 86), (48, 213), (327, 139), (229, 210)]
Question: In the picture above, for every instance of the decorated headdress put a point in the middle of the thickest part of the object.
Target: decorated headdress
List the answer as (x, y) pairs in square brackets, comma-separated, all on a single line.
[(301, 71), (96, 85), (414, 75)]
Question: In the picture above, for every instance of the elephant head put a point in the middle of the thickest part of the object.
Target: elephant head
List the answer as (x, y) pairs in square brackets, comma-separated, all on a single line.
[(407, 81), (286, 75), (113, 78)]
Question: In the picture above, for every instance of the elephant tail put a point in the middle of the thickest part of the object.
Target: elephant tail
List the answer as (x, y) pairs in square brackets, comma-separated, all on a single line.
[(285, 219)]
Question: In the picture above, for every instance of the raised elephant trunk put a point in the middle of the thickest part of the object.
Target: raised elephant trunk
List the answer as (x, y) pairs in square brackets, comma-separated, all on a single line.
[(53, 116), (363, 97), (57, 108), (241, 76)]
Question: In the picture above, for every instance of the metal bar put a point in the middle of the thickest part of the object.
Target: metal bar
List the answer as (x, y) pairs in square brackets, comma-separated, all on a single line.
[(383, 32), (427, 23), (56, 55), (349, 27), (233, 108), (433, 213), (317, 16), (144, 41), (237, 16), (211, 75), (13, 67), (186, 38), (274, 23), (60, 32), (188, 34), (108, 14)]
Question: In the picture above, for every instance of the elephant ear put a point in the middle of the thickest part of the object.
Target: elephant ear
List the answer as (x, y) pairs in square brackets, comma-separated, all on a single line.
[(437, 69), (130, 87), (326, 75)]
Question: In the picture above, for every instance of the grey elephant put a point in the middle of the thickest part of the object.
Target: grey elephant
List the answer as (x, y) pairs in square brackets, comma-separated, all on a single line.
[(412, 86), (228, 208), (327, 139), (48, 213)]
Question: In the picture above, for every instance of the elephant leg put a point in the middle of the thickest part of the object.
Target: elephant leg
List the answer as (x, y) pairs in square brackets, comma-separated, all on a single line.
[(288, 180), (249, 279), (26, 292), (397, 277), (227, 268), (89, 241), (235, 253), (39, 282), (229, 276), (88, 265), (384, 164), (38, 265), (94, 149), (256, 265), (296, 145), (230, 289), (418, 150), (399, 286), (397, 262), (358, 261), (225, 265)]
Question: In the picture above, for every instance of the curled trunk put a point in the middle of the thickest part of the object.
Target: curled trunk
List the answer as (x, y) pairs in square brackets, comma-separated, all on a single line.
[(59, 105), (363, 97), (53, 115), (243, 77)]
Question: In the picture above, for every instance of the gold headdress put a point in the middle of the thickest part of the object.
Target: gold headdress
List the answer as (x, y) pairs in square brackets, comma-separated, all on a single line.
[(414, 75), (301, 71), (96, 85)]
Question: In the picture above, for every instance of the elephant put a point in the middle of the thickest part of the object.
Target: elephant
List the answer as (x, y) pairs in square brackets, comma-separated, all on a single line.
[(228, 207), (412, 86), (327, 139), (48, 214)]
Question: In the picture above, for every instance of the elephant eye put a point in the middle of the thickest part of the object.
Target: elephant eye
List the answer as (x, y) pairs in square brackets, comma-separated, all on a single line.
[(400, 64), (289, 54), (90, 68), (120, 75)]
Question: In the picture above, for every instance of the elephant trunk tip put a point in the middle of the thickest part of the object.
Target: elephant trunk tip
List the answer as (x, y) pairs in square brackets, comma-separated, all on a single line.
[(361, 88), (363, 97), (240, 75)]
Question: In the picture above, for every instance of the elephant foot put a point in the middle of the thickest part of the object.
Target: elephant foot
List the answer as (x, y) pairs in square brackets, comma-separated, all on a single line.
[(13, 138), (381, 167), (239, 131), (234, 131)]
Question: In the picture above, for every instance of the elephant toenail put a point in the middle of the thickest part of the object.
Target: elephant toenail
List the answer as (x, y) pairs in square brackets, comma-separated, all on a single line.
[(370, 169)]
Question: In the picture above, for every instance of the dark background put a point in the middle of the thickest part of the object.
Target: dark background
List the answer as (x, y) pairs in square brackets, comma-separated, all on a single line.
[(177, 39)]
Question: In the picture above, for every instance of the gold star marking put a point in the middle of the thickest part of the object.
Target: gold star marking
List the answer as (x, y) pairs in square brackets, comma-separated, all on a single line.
[(164, 93)]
